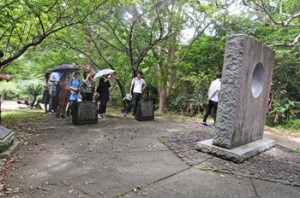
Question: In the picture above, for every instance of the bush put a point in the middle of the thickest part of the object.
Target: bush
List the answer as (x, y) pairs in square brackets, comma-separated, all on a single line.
[(295, 124), (11, 95)]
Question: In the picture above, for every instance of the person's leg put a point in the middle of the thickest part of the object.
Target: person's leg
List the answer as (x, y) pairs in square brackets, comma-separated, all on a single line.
[(215, 111), (102, 106), (65, 103), (70, 107), (50, 104), (45, 107), (90, 97), (83, 96), (138, 97), (132, 103), (58, 108), (55, 102), (209, 108), (56, 97)]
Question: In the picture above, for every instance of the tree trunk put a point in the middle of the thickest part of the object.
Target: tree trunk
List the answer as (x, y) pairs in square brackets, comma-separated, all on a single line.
[(165, 86)]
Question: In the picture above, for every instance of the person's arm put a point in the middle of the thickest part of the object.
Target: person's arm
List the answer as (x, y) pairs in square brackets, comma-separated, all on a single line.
[(53, 78), (212, 95), (4, 77), (132, 82), (144, 86), (72, 88)]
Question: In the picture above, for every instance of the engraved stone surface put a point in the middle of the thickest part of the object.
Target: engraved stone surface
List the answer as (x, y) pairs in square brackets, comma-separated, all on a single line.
[(84, 112), (147, 109), (144, 111), (246, 80)]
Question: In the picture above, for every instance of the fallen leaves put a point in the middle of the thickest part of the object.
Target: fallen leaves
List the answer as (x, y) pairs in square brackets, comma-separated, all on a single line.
[(137, 188)]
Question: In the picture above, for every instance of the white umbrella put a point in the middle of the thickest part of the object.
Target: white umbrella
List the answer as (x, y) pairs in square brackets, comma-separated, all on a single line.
[(104, 72)]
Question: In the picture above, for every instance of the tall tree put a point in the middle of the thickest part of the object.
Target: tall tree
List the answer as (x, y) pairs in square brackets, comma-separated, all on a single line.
[(122, 35), (283, 14), (195, 15), (25, 24)]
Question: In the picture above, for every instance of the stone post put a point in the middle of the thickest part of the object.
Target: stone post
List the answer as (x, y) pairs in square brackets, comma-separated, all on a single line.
[(246, 82)]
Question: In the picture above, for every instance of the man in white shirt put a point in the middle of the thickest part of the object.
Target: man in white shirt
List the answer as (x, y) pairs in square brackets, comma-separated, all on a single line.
[(213, 99), (138, 85)]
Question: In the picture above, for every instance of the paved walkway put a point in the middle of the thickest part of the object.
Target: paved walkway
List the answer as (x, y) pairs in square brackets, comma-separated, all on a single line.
[(121, 157)]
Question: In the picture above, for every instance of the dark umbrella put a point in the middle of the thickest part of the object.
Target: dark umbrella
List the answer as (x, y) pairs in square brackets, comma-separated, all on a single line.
[(65, 68)]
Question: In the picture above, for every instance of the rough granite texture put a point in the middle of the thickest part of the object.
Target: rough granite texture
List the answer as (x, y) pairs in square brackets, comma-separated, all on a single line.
[(241, 116)]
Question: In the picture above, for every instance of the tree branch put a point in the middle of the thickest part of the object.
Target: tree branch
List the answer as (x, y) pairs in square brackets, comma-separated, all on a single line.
[(51, 30), (287, 44), (195, 37)]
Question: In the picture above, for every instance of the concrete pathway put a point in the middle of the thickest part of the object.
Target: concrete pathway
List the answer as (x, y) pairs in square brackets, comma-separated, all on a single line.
[(121, 157)]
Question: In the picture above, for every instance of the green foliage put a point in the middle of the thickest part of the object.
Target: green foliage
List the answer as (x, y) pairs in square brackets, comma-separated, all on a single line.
[(178, 102), (24, 24), (286, 76), (203, 168), (298, 150), (33, 90), (216, 169), (10, 89), (284, 110), (294, 124), (196, 103), (162, 141)]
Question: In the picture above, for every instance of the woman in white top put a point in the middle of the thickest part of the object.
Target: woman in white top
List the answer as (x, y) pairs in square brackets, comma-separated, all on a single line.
[(138, 85)]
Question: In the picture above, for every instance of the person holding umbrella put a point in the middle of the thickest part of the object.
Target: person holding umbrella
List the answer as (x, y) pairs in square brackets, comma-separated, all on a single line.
[(103, 91), (63, 98), (88, 86)]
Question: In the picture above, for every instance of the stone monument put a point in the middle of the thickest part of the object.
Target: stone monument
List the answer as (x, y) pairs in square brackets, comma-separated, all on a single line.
[(246, 82), (8, 145)]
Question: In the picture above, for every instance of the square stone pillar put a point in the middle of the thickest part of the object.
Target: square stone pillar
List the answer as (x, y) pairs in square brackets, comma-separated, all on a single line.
[(243, 99)]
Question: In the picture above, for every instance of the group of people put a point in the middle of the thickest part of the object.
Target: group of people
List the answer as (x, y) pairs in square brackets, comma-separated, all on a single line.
[(62, 91)]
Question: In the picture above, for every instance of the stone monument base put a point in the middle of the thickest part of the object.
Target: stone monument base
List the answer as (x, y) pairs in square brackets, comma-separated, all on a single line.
[(238, 154), (10, 151)]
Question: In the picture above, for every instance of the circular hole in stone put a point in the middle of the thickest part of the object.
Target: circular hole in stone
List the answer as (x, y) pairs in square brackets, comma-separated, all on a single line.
[(257, 80)]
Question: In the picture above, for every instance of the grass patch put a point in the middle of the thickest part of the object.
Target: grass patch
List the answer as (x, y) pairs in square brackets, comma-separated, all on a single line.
[(162, 141), (18, 117), (298, 150), (216, 169), (202, 168), (178, 117)]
